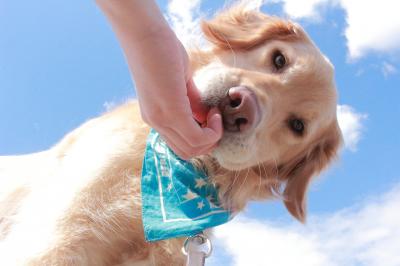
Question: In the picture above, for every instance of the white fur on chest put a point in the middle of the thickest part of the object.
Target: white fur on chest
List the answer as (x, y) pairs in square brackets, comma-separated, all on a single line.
[(52, 184)]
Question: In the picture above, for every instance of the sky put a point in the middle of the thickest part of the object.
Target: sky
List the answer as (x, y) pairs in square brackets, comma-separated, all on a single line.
[(61, 65)]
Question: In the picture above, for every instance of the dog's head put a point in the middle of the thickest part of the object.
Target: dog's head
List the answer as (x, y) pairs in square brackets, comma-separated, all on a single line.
[(277, 96)]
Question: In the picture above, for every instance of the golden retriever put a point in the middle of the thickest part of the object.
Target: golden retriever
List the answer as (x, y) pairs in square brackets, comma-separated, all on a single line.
[(79, 202)]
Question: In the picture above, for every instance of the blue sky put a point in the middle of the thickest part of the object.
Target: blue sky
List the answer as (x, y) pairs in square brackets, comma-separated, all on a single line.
[(60, 65)]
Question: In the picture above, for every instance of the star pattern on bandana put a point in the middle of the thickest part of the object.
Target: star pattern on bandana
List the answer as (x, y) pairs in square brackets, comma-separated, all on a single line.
[(178, 199), (200, 205), (200, 183), (190, 195)]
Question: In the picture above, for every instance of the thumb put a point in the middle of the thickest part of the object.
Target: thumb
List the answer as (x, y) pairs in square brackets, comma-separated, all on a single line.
[(199, 110), (214, 122)]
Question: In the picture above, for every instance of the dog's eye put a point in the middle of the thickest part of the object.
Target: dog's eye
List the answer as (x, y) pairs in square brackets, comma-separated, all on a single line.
[(297, 126), (279, 60)]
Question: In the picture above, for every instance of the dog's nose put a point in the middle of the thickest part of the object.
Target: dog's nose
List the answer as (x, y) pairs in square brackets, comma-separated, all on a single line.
[(240, 110)]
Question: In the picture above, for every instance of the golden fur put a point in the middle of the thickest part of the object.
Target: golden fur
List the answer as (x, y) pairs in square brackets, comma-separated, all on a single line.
[(79, 202)]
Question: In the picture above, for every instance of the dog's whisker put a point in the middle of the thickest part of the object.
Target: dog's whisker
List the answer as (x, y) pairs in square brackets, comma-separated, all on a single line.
[(276, 166), (267, 176), (265, 170), (276, 190), (236, 176), (230, 48), (259, 178), (244, 181)]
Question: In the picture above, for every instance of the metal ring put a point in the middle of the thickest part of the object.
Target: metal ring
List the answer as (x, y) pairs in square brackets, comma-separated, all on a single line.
[(195, 239)]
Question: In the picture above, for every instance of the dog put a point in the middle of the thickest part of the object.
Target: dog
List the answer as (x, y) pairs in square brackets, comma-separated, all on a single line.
[(79, 203)]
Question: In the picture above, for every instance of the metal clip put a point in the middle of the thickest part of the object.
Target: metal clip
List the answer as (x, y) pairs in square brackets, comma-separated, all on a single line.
[(197, 248)]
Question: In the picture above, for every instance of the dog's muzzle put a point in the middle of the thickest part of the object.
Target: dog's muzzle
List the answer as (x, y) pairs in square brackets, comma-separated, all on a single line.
[(240, 110)]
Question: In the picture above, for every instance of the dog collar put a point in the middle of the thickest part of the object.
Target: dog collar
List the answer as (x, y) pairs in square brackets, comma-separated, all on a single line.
[(177, 199)]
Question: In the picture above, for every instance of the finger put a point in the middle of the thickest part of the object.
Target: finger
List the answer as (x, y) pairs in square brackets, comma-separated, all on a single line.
[(212, 129), (206, 150), (182, 148), (214, 122), (199, 110), (188, 139), (179, 152), (196, 136), (179, 145), (182, 153)]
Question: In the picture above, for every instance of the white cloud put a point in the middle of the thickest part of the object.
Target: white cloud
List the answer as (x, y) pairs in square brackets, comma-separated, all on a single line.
[(371, 25), (304, 8), (112, 104), (184, 18), (109, 105), (350, 123), (252, 4), (388, 69), (368, 234)]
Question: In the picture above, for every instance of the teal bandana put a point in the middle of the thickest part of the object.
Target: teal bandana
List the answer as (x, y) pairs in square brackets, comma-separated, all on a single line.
[(177, 199)]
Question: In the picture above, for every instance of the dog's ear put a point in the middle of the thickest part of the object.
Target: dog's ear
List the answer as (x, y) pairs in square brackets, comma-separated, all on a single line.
[(238, 28), (299, 172)]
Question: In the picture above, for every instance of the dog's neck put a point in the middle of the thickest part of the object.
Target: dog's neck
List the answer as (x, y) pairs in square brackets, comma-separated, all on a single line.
[(237, 188)]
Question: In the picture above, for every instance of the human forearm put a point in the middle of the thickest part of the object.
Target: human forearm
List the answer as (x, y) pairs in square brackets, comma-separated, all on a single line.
[(134, 19), (140, 28)]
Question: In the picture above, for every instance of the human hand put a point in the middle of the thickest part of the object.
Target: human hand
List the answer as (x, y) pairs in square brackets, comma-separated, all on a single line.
[(168, 98)]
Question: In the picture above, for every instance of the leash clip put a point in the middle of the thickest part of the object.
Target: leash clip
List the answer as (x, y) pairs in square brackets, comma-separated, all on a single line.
[(197, 248)]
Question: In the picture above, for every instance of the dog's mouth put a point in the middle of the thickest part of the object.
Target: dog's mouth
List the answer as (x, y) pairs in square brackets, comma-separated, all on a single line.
[(239, 108)]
